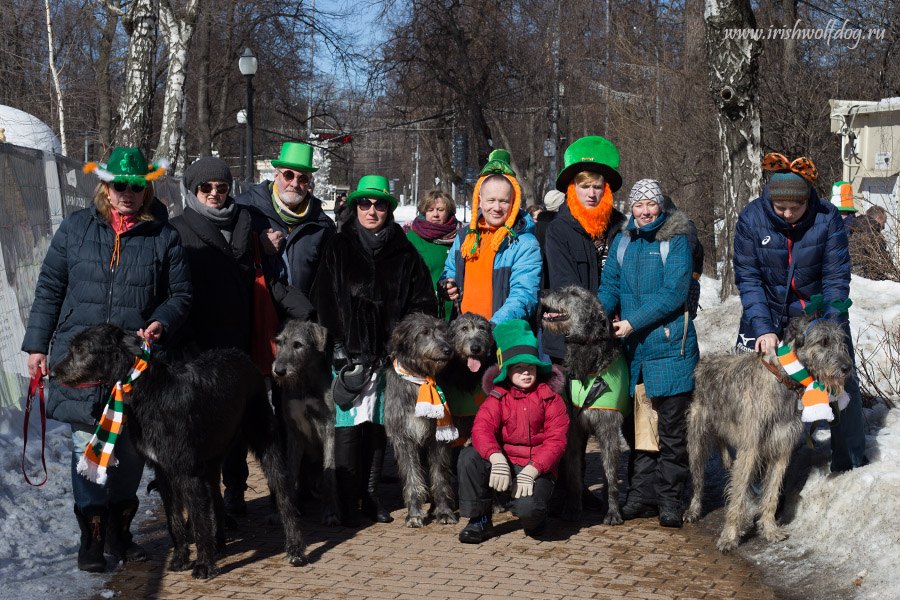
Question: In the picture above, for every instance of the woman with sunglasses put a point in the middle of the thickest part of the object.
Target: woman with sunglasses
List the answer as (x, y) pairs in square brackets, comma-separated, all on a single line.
[(118, 262), (371, 277)]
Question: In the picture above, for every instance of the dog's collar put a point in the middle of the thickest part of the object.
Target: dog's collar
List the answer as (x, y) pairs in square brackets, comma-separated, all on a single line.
[(83, 385), (785, 380)]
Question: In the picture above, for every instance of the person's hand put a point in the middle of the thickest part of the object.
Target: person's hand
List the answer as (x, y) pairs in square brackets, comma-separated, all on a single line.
[(622, 328), (499, 472), (525, 482), (37, 362), (766, 341), (152, 333), (272, 242), (451, 290)]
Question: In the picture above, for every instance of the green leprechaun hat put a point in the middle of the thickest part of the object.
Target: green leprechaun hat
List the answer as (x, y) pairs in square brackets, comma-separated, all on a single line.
[(516, 344), (375, 187), (128, 165), (590, 153), (297, 156)]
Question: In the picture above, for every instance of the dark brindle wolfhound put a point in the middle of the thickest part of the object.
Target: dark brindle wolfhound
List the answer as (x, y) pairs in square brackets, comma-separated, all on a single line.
[(307, 408), (421, 346), (473, 352), (182, 419), (591, 347), (740, 403)]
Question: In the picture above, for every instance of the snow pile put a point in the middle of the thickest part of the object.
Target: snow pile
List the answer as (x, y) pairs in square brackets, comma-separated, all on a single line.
[(23, 129)]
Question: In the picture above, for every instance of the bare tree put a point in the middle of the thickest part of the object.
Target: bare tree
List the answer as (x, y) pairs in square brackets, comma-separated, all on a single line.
[(51, 60)]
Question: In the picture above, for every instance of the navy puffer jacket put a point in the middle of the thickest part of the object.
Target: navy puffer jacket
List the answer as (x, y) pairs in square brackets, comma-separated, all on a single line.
[(77, 289), (763, 244)]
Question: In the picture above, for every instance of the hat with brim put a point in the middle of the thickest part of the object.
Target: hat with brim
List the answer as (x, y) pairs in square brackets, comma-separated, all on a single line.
[(374, 187), (591, 153), (297, 156), (128, 165), (516, 344)]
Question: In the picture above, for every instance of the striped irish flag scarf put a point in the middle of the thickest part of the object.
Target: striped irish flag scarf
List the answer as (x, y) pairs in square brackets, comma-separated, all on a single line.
[(815, 399), (98, 455), (431, 404)]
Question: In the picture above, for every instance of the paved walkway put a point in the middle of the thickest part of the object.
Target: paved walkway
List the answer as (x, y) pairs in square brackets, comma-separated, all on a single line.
[(637, 560)]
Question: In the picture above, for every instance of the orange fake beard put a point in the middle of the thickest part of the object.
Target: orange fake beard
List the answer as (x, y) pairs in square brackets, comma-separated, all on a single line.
[(594, 220)]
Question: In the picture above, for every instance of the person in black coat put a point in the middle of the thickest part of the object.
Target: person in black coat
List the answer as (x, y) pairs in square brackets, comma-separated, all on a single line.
[(371, 276)]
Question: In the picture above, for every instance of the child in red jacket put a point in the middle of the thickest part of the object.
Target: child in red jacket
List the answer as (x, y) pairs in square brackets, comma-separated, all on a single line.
[(520, 428)]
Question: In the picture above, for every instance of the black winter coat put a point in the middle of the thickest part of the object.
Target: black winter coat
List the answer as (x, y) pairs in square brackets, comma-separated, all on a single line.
[(298, 261), (573, 259), (222, 280), (360, 298), (77, 289)]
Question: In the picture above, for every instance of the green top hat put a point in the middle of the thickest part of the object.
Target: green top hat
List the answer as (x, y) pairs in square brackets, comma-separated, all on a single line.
[(590, 153), (375, 187), (128, 165), (297, 156), (498, 164), (516, 344)]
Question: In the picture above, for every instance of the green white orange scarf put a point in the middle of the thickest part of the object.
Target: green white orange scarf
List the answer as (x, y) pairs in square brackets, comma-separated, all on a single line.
[(98, 455), (815, 399), (431, 404)]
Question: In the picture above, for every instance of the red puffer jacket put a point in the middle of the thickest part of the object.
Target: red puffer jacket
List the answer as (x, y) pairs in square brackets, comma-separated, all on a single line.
[(528, 427)]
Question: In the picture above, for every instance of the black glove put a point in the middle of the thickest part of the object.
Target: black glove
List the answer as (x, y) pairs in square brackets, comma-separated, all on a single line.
[(348, 383), (339, 358)]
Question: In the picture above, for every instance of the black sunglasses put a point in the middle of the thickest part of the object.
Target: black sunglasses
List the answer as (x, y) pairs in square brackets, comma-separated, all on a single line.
[(121, 186), (380, 205), (221, 188), (289, 176)]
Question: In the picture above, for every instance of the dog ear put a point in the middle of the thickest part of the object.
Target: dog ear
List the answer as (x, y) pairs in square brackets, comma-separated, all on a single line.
[(320, 336), (795, 332)]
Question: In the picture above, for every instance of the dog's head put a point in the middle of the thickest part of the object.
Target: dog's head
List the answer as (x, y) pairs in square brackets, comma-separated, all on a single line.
[(575, 312), (421, 344), (100, 353), (821, 347), (473, 341), (298, 347)]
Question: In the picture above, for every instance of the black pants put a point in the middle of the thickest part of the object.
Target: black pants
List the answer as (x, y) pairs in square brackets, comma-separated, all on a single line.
[(658, 478), (476, 497)]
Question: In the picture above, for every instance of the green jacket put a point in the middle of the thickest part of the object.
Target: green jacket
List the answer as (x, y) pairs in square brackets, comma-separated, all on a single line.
[(434, 255)]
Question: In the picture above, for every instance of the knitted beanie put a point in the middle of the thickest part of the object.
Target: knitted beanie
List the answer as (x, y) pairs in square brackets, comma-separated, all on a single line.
[(208, 168), (788, 187), (553, 200), (645, 189)]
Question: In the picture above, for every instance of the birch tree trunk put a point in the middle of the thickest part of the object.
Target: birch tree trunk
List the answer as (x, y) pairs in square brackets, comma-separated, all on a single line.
[(136, 103), (51, 58), (104, 93), (733, 66), (177, 32)]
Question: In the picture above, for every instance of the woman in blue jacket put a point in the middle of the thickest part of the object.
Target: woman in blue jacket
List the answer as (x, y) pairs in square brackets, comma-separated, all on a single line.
[(118, 262), (788, 246), (646, 279)]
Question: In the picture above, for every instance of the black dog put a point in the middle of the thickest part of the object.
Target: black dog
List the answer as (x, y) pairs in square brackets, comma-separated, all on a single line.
[(182, 420)]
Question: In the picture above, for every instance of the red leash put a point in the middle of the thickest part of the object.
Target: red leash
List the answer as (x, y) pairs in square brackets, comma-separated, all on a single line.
[(37, 384)]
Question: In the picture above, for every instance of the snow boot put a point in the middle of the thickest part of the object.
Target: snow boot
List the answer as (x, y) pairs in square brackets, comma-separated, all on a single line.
[(374, 446), (119, 541), (92, 522)]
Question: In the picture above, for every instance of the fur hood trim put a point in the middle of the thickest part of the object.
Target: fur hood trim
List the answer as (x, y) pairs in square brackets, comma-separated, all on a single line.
[(676, 223), (555, 379)]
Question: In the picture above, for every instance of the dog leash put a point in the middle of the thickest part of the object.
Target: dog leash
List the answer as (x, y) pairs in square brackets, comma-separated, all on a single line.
[(36, 385)]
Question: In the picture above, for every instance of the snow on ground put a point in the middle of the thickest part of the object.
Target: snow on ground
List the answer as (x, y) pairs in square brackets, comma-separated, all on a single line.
[(843, 527)]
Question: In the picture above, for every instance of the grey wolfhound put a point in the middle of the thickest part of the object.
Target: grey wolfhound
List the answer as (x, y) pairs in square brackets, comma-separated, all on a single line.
[(740, 403), (473, 352), (591, 347), (307, 407), (182, 419), (421, 348)]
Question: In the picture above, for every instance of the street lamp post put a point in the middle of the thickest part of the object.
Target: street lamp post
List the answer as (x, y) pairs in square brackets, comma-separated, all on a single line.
[(247, 64)]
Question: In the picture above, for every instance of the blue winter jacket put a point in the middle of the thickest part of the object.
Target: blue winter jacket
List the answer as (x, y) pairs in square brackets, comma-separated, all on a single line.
[(763, 243), (651, 297), (517, 271), (77, 289)]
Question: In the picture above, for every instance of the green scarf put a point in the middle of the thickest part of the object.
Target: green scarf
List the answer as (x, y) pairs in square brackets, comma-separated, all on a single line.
[(290, 218)]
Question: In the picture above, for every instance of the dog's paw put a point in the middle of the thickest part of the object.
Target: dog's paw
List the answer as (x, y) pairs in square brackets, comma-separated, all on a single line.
[(613, 517), (446, 518), (415, 522), (204, 571), (180, 562), (331, 519), (727, 542), (297, 559), (499, 508), (774, 534), (692, 515)]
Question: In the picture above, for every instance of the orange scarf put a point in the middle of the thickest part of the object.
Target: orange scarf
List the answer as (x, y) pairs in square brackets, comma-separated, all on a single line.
[(594, 220)]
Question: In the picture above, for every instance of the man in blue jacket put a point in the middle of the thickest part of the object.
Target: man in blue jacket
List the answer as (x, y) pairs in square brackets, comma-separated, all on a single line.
[(788, 246)]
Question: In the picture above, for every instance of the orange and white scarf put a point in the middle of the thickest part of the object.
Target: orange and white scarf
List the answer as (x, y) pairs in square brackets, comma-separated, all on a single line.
[(815, 399), (98, 455), (431, 404)]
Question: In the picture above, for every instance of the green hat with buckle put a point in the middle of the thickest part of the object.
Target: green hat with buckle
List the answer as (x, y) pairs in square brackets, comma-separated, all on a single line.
[(297, 156), (516, 344), (375, 187), (590, 153), (128, 165)]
